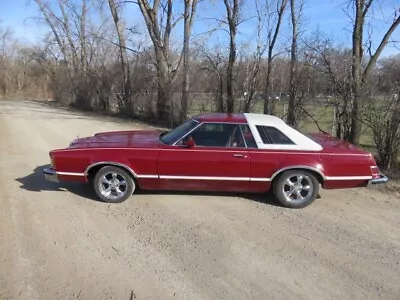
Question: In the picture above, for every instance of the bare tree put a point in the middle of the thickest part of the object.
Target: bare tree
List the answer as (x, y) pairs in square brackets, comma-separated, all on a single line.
[(84, 75), (6, 40), (361, 70), (126, 77), (160, 34), (188, 17), (70, 33), (214, 64), (275, 11), (292, 118), (253, 64), (383, 117), (333, 66), (232, 18)]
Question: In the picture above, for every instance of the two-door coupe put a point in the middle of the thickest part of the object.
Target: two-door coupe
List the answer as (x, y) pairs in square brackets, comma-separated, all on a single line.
[(216, 152)]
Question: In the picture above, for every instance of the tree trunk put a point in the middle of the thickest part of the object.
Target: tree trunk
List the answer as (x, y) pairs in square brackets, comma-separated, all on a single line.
[(246, 108), (269, 106), (359, 73), (185, 80), (123, 54), (230, 76), (291, 118), (220, 94), (232, 13), (356, 125), (268, 109), (190, 9), (159, 27), (163, 99), (164, 89)]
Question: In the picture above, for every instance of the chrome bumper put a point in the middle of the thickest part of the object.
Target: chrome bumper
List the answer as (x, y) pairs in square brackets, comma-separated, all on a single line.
[(382, 179), (50, 175)]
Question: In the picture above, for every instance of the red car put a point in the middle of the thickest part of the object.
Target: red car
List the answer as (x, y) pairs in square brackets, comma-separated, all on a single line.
[(216, 152)]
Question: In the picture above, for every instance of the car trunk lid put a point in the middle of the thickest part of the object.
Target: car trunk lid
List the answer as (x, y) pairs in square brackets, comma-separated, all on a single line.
[(331, 144)]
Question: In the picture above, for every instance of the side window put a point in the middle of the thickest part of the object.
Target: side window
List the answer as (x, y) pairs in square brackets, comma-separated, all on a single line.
[(216, 135), (248, 136), (272, 135)]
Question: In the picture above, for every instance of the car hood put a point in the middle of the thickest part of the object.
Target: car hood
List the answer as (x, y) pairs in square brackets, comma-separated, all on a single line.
[(332, 144), (119, 139)]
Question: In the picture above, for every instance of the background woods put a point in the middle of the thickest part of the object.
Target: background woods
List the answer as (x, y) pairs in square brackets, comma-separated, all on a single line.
[(168, 60)]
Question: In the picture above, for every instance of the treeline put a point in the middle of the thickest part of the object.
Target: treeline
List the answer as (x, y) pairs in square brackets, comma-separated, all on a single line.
[(93, 60)]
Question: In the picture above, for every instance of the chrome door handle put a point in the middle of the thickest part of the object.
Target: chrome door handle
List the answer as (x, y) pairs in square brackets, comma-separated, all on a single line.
[(238, 155)]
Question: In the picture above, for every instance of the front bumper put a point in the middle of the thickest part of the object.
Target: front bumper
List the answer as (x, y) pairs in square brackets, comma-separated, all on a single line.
[(50, 175), (382, 179)]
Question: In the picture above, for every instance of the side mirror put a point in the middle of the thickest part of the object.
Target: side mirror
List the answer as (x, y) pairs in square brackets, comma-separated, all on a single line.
[(190, 143)]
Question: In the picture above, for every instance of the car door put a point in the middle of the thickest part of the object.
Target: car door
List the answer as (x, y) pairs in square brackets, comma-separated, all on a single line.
[(218, 161)]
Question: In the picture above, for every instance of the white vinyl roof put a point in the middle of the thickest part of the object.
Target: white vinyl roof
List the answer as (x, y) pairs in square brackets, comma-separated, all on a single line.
[(301, 141)]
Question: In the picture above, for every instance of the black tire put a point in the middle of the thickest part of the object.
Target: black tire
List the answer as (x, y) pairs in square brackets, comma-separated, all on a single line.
[(302, 191), (113, 184)]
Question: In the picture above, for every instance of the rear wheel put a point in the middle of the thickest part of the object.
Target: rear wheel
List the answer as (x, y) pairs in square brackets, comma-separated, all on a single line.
[(113, 184), (296, 188)]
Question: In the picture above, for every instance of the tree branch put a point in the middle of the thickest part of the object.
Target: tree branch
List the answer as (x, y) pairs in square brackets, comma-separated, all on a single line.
[(380, 48)]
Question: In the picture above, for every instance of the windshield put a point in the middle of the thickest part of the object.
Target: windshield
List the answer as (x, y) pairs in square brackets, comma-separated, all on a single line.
[(172, 136)]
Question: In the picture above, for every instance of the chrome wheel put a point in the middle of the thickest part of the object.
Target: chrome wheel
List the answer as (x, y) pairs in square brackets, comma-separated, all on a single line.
[(298, 188), (113, 186)]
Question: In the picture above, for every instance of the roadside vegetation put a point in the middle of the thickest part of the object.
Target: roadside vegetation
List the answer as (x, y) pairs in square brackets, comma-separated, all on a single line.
[(160, 69)]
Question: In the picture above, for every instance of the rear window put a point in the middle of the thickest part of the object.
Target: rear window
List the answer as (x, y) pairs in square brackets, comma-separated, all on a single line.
[(272, 135)]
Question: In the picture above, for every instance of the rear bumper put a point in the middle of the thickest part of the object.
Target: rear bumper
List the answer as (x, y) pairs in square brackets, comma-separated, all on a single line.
[(50, 175), (382, 179)]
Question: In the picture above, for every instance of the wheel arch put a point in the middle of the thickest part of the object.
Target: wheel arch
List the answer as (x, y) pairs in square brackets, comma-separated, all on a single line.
[(318, 173), (94, 168)]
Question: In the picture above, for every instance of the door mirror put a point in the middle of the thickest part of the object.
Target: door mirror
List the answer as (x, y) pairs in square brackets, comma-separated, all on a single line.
[(190, 143)]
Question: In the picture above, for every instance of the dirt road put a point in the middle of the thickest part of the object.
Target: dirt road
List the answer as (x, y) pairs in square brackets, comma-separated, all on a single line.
[(57, 242)]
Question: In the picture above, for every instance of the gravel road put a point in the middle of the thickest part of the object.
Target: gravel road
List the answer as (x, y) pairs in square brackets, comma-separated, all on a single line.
[(58, 242)]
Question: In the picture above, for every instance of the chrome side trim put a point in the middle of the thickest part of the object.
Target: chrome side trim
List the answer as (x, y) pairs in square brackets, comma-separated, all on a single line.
[(147, 176), (52, 175), (70, 173), (205, 178), (348, 177), (260, 179), (299, 167), (252, 179), (110, 163)]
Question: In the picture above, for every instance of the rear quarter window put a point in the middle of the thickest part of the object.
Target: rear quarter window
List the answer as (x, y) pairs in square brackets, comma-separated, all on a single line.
[(272, 135)]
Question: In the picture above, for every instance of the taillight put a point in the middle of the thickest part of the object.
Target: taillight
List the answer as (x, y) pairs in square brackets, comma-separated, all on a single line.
[(375, 171), (52, 162)]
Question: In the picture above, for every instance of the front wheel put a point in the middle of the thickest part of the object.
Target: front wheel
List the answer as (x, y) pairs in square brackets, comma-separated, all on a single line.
[(113, 184), (296, 188)]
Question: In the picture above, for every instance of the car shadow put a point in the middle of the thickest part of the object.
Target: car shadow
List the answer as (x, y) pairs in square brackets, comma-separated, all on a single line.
[(35, 182), (264, 198)]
